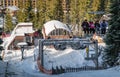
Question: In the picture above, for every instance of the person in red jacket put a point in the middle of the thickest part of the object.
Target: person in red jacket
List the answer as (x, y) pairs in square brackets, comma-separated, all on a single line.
[(36, 34), (36, 37), (92, 27)]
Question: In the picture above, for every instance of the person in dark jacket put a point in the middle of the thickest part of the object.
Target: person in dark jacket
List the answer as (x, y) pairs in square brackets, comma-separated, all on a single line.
[(28, 39), (103, 27), (85, 26), (97, 27)]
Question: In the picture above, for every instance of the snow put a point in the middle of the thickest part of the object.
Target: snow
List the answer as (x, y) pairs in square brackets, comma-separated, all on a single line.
[(19, 30), (2, 68), (22, 44), (64, 58), (24, 69), (54, 24), (13, 8), (24, 23), (67, 58)]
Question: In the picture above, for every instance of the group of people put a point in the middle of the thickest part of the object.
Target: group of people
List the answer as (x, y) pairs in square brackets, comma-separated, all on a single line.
[(92, 27)]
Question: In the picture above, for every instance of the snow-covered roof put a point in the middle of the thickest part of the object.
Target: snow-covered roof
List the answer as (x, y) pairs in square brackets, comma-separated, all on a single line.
[(13, 8), (54, 24), (25, 23), (21, 29)]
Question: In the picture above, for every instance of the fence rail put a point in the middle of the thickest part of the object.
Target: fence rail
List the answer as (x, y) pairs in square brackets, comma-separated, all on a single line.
[(69, 69), (84, 68)]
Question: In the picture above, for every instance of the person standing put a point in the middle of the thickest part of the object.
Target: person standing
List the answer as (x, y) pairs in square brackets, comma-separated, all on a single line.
[(103, 26), (92, 27), (28, 39), (97, 27), (85, 26)]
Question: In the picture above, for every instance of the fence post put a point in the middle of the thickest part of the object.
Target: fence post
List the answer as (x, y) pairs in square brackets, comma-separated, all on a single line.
[(41, 52), (87, 51), (96, 53)]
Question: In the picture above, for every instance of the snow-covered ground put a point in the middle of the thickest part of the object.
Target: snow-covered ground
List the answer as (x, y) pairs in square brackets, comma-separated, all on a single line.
[(25, 69), (67, 58)]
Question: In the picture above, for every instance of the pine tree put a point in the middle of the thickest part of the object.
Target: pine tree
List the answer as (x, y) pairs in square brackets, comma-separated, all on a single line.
[(50, 9), (28, 11), (94, 6), (112, 39), (58, 11), (8, 23), (21, 15), (36, 19), (21, 12), (41, 12), (78, 11)]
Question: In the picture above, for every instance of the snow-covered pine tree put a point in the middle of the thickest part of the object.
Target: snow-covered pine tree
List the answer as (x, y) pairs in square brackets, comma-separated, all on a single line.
[(112, 39)]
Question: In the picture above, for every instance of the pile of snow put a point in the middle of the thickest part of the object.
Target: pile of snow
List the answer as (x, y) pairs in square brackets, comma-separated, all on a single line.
[(65, 58)]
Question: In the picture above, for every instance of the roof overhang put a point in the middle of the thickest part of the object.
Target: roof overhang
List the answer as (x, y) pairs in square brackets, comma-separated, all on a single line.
[(53, 25)]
